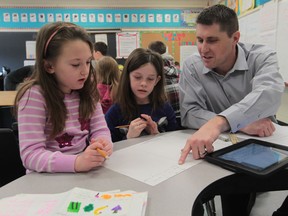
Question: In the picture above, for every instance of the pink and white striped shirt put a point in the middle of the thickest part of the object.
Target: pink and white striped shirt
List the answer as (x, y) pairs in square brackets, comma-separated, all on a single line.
[(57, 155)]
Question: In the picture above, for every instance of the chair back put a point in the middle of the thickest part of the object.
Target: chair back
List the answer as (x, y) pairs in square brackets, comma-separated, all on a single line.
[(10, 161), (6, 117)]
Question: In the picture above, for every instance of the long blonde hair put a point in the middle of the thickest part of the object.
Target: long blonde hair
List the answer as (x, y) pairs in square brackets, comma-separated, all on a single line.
[(108, 73), (50, 40)]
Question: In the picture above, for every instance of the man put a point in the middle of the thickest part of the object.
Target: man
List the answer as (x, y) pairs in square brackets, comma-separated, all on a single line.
[(171, 76), (228, 86), (100, 50)]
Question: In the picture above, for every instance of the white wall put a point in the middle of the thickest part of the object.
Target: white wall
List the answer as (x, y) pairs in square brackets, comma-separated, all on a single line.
[(282, 113), (268, 25)]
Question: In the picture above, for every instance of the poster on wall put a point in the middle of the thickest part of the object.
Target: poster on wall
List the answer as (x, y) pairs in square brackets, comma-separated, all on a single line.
[(261, 2), (126, 42), (188, 17), (30, 49), (233, 4), (247, 5)]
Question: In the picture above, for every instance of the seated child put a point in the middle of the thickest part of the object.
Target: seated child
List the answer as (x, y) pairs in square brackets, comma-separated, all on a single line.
[(141, 103), (61, 124), (107, 73)]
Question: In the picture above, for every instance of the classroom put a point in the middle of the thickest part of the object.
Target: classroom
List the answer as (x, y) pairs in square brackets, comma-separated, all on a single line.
[(138, 178)]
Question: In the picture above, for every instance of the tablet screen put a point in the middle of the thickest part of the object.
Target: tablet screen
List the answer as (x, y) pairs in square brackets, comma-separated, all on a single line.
[(255, 156)]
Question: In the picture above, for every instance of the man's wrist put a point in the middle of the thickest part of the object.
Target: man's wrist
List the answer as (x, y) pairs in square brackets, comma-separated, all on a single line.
[(221, 123)]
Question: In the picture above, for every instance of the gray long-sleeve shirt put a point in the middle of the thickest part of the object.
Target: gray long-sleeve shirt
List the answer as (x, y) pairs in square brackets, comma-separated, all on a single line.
[(250, 91)]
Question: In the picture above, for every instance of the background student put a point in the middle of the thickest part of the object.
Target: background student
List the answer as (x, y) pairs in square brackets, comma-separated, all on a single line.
[(100, 50), (108, 76), (60, 128), (171, 75), (228, 86), (141, 102)]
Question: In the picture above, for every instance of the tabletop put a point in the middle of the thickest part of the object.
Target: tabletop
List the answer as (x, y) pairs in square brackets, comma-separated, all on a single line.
[(174, 196), (7, 98)]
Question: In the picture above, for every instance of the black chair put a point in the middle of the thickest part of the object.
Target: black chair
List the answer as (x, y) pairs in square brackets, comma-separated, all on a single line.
[(6, 117), (282, 123), (210, 207), (10, 161), (14, 78), (5, 71)]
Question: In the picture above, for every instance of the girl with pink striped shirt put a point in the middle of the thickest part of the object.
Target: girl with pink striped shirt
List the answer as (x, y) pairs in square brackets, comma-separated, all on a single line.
[(61, 123)]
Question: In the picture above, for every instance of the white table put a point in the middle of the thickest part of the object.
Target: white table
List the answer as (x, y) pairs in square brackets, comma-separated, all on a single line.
[(7, 98), (174, 196)]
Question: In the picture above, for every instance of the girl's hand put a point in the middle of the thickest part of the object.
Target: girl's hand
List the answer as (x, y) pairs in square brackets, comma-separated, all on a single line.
[(152, 127), (136, 127), (107, 145), (90, 158)]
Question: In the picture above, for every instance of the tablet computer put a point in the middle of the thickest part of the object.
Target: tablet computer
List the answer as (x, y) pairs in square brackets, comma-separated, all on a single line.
[(251, 156)]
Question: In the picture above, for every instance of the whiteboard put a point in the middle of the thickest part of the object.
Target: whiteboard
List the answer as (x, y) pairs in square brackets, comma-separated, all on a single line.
[(268, 25)]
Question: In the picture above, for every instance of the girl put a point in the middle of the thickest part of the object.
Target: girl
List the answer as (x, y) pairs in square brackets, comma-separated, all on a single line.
[(61, 125), (141, 100), (107, 78)]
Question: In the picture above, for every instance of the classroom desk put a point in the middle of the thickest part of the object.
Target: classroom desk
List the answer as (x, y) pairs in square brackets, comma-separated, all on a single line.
[(7, 98), (173, 197)]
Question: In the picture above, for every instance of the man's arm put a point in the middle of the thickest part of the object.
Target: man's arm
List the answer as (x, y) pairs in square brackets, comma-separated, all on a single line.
[(267, 88)]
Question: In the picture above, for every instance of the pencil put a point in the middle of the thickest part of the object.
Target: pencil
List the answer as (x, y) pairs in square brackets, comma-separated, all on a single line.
[(122, 126), (233, 138), (103, 153)]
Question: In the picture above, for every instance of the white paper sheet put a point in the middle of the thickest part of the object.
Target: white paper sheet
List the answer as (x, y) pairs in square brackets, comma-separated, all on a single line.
[(280, 136), (155, 160), (77, 201)]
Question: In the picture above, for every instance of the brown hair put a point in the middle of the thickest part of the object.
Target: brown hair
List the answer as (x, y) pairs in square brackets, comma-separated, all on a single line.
[(108, 73), (50, 40), (157, 46), (222, 15), (125, 96), (101, 47)]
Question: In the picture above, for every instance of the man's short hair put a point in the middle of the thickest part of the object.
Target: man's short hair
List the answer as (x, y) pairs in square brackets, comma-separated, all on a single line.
[(100, 47), (222, 15), (157, 46)]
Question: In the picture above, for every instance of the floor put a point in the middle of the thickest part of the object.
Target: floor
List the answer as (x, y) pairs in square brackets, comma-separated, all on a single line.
[(265, 205)]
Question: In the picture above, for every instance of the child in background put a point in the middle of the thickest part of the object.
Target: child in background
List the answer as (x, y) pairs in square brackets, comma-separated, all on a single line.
[(171, 75), (120, 67), (141, 101), (177, 65), (100, 50), (107, 81), (61, 124)]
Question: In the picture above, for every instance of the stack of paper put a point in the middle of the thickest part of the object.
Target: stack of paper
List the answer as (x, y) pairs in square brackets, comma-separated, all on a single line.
[(77, 201)]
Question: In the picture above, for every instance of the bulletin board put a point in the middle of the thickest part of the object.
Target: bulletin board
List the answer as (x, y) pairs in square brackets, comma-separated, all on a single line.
[(173, 40)]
